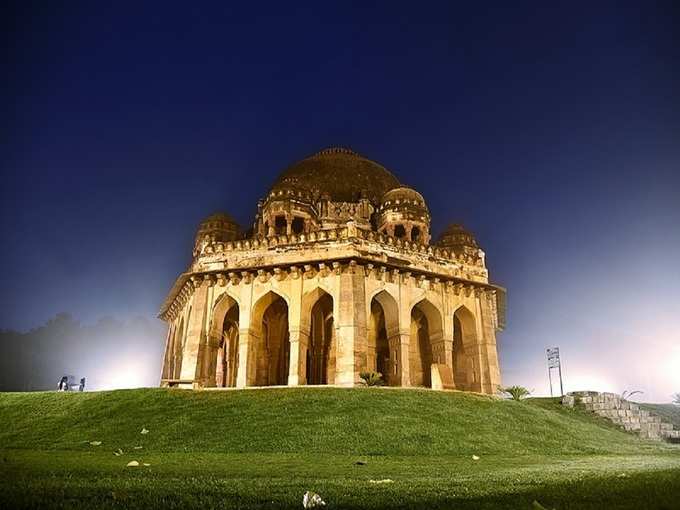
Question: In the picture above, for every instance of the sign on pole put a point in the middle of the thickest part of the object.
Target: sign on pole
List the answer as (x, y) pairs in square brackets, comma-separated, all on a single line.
[(553, 354)]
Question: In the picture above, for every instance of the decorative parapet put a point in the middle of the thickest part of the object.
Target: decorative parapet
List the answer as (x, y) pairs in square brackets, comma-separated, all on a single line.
[(384, 272), (350, 231)]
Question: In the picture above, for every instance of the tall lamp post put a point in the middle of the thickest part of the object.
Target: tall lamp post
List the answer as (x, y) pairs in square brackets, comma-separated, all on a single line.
[(553, 354)]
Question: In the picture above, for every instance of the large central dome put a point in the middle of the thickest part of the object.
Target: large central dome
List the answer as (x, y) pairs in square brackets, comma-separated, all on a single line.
[(341, 173)]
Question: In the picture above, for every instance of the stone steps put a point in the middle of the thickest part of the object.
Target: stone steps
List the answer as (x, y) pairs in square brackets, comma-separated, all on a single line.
[(623, 413)]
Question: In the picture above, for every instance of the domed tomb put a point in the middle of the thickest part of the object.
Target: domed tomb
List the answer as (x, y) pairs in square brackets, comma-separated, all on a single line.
[(336, 277)]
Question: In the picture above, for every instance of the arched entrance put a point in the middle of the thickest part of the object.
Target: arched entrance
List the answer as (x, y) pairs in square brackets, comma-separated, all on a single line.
[(426, 331), (320, 366), (270, 341), (221, 365), (227, 352), (464, 335), (383, 338)]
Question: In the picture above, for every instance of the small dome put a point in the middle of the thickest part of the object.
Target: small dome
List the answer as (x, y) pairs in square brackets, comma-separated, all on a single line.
[(220, 217), (342, 174), (457, 236), (218, 227), (403, 196)]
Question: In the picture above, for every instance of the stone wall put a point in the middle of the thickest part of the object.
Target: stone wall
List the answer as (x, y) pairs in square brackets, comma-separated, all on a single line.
[(627, 415)]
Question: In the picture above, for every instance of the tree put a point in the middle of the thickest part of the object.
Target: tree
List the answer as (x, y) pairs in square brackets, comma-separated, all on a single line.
[(515, 392), (627, 394)]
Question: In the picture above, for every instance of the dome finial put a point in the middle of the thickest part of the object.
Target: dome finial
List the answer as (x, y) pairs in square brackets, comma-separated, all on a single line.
[(337, 150)]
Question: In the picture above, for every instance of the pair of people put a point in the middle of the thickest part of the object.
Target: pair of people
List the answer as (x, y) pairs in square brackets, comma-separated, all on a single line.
[(64, 385)]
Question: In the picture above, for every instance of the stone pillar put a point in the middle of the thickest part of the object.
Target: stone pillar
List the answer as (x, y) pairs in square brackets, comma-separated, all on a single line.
[(244, 371), (351, 327), (488, 355), (399, 349), (167, 358), (442, 347), (473, 355), (195, 336), (210, 362), (297, 368)]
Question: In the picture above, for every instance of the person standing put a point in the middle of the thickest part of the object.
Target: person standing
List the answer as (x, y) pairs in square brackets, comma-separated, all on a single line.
[(63, 384)]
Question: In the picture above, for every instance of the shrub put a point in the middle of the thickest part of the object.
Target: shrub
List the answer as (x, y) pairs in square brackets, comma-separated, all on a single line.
[(515, 392), (372, 378)]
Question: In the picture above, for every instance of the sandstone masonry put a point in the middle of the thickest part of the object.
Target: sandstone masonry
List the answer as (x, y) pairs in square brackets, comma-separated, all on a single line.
[(626, 414), (337, 276)]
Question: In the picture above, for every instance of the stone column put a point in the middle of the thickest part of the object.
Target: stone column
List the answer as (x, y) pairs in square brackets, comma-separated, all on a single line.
[(473, 355), (210, 362), (245, 369), (193, 350), (351, 328), (167, 358), (488, 355), (297, 368), (399, 349)]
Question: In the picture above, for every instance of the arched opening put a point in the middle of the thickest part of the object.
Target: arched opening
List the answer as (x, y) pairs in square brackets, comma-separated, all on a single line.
[(227, 352), (270, 342), (221, 365), (464, 334), (298, 225), (415, 234), (383, 326), (320, 367), (280, 225), (399, 231), (379, 344), (426, 331)]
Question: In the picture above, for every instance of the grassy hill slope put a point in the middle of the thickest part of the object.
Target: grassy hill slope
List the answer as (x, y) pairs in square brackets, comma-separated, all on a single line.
[(311, 420), (264, 448)]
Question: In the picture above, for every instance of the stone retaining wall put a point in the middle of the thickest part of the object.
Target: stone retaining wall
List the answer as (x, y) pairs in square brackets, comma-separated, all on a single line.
[(627, 415)]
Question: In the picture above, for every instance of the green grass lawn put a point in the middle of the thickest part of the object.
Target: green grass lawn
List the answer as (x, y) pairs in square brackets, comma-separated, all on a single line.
[(265, 448)]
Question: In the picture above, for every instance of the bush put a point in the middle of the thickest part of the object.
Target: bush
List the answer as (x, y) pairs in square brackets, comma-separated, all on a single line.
[(372, 378), (515, 392)]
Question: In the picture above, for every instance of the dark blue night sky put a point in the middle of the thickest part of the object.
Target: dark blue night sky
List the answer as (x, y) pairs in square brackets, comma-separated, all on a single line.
[(551, 131)]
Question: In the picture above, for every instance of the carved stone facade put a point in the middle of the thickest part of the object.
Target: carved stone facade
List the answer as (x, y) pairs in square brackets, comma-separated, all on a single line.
[(336, 277)]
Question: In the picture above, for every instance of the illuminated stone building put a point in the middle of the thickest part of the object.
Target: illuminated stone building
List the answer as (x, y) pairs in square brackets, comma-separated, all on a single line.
[(338, 276)]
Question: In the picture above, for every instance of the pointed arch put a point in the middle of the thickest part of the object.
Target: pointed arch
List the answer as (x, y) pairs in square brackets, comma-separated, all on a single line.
[(465, 373), (383, 337), (426, 332), (269, 342), (317, 323), (221, 365), (223, 305), (390, 309)]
